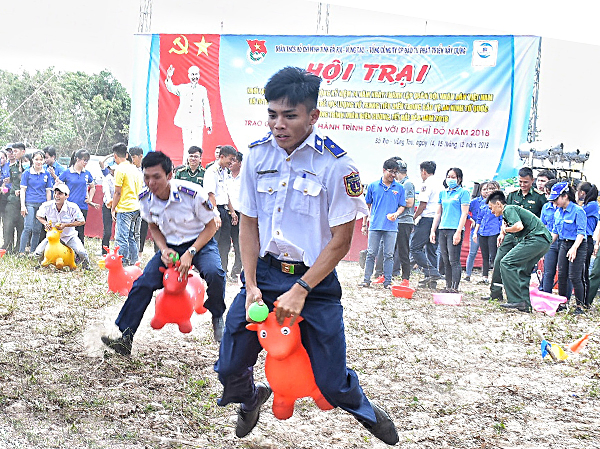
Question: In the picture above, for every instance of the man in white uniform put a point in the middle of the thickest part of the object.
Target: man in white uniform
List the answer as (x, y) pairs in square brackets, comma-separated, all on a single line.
[(193, 113)]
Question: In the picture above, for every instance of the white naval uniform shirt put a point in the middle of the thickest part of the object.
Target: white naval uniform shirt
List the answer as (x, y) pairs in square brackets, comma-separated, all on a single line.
[(183, 216), (216, 180), (298, 198), (69, 213), (430, 192)]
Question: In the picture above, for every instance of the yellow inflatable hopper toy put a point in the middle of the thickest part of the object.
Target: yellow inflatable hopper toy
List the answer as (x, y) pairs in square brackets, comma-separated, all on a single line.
[(57, 253)]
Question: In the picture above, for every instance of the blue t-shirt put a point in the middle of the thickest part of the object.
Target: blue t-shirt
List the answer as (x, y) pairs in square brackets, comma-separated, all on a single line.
[(78, 184), (569, 222), (489, 224), (547, 215), (5, 173), (37, 184), (591, 212), (58, 168), (451, 201), (384, 200)]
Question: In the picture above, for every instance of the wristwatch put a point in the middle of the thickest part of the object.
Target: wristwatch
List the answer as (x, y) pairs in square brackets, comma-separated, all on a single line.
[(192, 251)]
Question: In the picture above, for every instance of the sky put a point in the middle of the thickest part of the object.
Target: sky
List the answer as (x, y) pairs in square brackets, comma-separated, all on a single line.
[(92, 36)]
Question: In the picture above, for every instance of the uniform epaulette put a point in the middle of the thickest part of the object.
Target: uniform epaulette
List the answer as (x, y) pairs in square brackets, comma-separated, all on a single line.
[(144, 194), (190, 192), (333, 148), (263, 140)]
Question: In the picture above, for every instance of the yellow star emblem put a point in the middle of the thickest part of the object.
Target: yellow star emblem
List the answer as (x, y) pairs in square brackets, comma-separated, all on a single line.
[(203, 46)]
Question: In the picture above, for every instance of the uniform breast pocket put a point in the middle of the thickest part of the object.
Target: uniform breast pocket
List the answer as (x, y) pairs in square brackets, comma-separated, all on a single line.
[(267, 193), (305, 196)]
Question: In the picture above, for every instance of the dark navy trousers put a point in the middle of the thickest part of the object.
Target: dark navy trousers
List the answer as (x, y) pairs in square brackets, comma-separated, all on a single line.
[(323, 337), (208, 263)]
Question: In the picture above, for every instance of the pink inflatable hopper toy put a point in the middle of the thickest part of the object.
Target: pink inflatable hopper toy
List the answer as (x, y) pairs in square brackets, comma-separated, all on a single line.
[(287, 365), (545, 302), (175, 303), (120, 279)]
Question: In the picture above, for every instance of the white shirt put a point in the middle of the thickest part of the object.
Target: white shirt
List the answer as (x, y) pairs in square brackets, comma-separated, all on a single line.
[(430, 192), (298, 198), (215, 181), (108, 188), (194, 107), (233, 189), (183, 216), (69, 213)]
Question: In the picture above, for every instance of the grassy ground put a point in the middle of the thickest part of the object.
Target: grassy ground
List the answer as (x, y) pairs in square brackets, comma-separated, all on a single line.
[(469, 376)]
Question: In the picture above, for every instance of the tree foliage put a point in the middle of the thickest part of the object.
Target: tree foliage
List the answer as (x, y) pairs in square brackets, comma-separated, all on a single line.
[(69, 110)]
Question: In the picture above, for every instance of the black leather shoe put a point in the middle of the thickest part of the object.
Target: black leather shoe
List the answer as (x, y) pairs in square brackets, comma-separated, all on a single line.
[(247, 420), (520, 306), (218, 327), (490, 298), (121, 345), (384, 429)]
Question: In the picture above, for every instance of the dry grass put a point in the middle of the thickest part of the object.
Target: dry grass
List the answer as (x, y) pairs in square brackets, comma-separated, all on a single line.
[(461, 377)]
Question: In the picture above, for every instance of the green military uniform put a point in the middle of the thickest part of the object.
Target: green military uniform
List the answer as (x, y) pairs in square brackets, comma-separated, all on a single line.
[(533, 202), (186, 174), (531, 244), (594, 283), (13, 221)]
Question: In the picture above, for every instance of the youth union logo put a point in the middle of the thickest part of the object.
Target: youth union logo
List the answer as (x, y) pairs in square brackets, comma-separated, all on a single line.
[(257, 50)]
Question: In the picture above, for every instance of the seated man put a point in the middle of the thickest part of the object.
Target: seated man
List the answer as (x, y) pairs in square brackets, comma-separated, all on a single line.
[(181, 219), (65, 216)]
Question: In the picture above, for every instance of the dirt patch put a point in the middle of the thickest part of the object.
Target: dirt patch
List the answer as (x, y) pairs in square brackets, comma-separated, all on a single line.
[(469, 376)]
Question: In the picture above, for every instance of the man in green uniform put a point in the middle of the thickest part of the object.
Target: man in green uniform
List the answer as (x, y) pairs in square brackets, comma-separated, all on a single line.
[(527, 198), (13, 221), (193, 171), (531, 241)]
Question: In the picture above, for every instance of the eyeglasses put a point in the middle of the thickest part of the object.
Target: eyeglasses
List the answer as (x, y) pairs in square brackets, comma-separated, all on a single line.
[(393, 172)]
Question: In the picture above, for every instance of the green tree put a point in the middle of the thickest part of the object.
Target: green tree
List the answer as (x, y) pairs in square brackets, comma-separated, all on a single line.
[(69, 110)]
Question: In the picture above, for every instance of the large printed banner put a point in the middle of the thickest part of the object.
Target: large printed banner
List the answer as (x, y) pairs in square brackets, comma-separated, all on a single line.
[(462, 101)]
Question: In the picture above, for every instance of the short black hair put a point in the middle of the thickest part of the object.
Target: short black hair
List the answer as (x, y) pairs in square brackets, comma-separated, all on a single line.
[(295, 85), (227, 150), (428, 166), (120, 149), (526, 171), (154, 158), (194, 149), (239, 156), (495, 197), (391, 164), (547, 174), (136, 151), (50, 151), (19, 145)]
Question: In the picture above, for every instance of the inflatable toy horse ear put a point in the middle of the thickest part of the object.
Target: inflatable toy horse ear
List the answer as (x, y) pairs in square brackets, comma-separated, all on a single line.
[(57, 253), (120, 279), (178, 299), (287, 365)]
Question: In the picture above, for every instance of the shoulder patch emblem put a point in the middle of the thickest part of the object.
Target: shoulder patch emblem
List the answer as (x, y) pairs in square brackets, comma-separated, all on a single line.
[(263, 140), (353, 185), (187, 191), (144, 194), (333, 148)]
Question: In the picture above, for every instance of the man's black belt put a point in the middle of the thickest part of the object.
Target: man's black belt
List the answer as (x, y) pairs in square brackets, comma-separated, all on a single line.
[(297, 268)]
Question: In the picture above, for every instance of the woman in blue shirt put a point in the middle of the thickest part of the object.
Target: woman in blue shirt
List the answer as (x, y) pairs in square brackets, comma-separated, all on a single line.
[(450, 218), (551, 257), (4, 179), (588, 196), (474, 208), (570, 228), (36, 187), (487, 229), (80, 183)]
